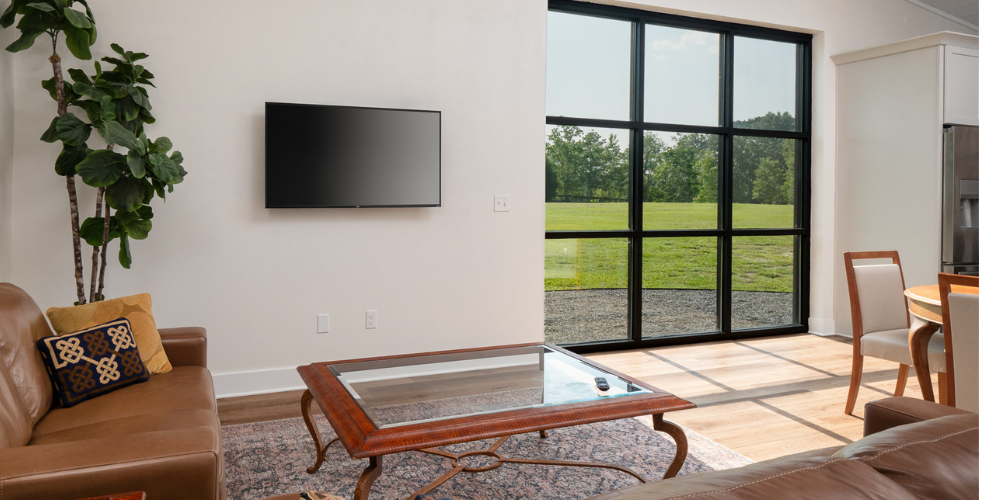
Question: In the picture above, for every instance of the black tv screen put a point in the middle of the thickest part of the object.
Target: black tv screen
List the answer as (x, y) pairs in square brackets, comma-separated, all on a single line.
[(346, 156)]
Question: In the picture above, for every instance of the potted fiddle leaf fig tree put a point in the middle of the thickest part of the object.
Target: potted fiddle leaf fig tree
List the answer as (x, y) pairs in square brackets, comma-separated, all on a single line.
[(116, 104)]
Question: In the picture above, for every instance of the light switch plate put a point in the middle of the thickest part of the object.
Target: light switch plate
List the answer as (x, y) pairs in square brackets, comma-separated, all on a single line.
[(322, 323)]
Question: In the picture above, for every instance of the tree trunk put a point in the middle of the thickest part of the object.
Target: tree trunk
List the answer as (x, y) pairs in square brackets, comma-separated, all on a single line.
[(70, 182), (104, 251), (95, 256)]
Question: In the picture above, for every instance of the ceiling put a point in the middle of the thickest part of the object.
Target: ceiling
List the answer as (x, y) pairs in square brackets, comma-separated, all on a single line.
[(962, 11)]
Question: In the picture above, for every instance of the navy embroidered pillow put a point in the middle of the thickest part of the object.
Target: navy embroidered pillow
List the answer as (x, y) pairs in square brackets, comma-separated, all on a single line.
[(91, 362)]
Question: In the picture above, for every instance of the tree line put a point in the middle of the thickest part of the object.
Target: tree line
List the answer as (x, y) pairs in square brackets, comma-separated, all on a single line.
[(586, 167)]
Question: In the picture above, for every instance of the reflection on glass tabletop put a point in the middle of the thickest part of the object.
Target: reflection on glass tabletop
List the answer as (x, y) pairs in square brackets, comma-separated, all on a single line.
[(403, 391)]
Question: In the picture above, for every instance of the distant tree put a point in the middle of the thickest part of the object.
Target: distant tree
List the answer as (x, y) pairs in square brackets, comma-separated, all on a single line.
[(708, 179), (750, 151), (586, 167), (551, 181)]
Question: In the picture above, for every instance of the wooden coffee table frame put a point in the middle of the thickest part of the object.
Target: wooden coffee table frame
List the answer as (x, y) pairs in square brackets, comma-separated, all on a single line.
[(361, 438)]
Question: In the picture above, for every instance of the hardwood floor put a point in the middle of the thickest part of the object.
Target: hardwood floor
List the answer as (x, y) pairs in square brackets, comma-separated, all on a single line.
[(764, 398)]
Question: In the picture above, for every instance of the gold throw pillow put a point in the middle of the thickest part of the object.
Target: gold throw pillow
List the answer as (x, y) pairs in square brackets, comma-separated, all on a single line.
[(138, 309)]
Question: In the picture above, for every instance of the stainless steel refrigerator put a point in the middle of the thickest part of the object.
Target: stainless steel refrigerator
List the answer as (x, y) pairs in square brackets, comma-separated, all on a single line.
[(960, 201)]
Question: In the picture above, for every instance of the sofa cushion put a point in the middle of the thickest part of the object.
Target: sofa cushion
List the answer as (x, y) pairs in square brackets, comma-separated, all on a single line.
[(934, 459), (139, 311), (21, 324), (92, 362), (788, 477), (184, 388), (166, 421)]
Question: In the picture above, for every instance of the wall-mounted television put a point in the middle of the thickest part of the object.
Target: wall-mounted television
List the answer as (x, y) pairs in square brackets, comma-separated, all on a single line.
[(347, 156)]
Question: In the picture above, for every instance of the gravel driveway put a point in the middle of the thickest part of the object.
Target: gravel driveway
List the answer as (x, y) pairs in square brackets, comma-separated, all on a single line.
[(586, 315)]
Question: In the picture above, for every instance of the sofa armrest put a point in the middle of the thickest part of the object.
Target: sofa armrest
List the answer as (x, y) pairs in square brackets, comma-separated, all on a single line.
[(180, 463), (887, 413), (187, 346)]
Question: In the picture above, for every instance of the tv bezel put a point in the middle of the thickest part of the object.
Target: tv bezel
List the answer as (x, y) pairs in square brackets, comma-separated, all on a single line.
[(268, 205)]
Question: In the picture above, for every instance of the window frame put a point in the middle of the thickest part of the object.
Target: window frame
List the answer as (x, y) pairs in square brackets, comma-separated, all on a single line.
[(724, 232)]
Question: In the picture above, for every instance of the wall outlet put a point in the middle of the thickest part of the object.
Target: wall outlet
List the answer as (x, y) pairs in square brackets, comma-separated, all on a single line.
[(322, 323), (370, 319), (501, 203)]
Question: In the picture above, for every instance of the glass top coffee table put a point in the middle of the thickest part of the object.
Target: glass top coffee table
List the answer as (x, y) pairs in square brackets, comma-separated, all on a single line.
[(418, 402)]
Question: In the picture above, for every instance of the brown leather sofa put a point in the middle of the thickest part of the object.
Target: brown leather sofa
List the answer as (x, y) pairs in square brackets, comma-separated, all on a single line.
[(912, 449), (161, 436)]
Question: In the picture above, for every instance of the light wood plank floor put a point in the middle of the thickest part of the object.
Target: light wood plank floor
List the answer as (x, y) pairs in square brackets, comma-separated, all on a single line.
[(764, 398)]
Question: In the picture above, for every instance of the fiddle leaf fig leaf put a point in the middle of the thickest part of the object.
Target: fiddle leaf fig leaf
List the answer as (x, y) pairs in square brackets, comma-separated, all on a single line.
[(50, 134), (78, 42), (69, 158), (166, 171), (136, 228), (145, 212), (26, 40), (107, 109), (92, 230), (77, 18), (72, 130), (124, 254), (78, 75), (163, 145), (126, 194), (116, 134), (135, 163), (102, 168), (44, 7)]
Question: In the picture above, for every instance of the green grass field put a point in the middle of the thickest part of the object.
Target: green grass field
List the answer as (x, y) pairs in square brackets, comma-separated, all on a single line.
[(760, 263)]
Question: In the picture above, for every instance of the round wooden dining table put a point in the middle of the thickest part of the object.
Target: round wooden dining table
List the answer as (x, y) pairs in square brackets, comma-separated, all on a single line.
[(925, 306)]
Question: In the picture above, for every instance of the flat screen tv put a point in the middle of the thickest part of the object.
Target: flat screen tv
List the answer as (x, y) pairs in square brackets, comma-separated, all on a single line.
[(347, 156)]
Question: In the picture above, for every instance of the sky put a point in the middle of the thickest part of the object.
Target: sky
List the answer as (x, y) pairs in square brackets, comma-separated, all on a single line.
[(588, 64)]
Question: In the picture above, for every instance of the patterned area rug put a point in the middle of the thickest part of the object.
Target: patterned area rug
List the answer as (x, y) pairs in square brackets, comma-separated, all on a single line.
[(270, 458)]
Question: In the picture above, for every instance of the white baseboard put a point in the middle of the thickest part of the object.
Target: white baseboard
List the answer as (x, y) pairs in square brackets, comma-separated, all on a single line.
[(228, 385), (820, 326)]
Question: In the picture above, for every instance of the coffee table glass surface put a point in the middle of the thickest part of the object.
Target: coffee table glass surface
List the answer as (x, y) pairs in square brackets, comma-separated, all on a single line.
[(403, 391)]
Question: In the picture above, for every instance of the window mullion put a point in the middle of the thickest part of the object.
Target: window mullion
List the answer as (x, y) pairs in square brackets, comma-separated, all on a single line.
[(637, 177)]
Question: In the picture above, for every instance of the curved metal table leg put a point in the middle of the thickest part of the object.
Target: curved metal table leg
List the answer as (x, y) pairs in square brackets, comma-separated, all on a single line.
[(307, 398), (368, 478), (682, 443)]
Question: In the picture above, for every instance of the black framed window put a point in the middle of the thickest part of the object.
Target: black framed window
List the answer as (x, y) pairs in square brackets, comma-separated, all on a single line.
[(677, 179)]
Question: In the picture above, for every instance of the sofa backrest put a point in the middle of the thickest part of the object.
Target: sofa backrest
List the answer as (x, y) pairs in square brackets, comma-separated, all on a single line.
[(21, 324), (933, 459)]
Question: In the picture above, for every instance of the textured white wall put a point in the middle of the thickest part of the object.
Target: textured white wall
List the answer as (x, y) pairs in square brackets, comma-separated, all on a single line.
[(456, 276), (6, 149)]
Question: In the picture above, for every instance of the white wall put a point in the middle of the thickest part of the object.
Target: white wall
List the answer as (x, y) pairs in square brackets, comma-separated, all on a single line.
[(6, 148), (456, 276)]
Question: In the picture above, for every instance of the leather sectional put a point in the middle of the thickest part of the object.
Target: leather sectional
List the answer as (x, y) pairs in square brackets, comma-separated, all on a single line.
[(161, 436)]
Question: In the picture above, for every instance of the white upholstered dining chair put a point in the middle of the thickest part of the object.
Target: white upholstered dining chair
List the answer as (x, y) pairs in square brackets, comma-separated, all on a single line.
[(880, 320), (960, 322)]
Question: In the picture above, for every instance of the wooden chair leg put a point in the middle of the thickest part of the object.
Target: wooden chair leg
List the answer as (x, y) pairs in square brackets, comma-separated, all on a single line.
[(852, 393), (904, 373), (942, 378)]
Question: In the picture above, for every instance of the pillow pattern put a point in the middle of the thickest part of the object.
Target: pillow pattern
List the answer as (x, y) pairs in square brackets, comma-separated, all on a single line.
[(138, 309), (91, 362)]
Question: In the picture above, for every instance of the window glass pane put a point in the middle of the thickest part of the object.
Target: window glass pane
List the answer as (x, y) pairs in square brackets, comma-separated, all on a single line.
[(682, 76), (588, 67), (762, 281), (681, 181), (764, 84), (586, 296), (586, 179), (764, 182), (678, 285)]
